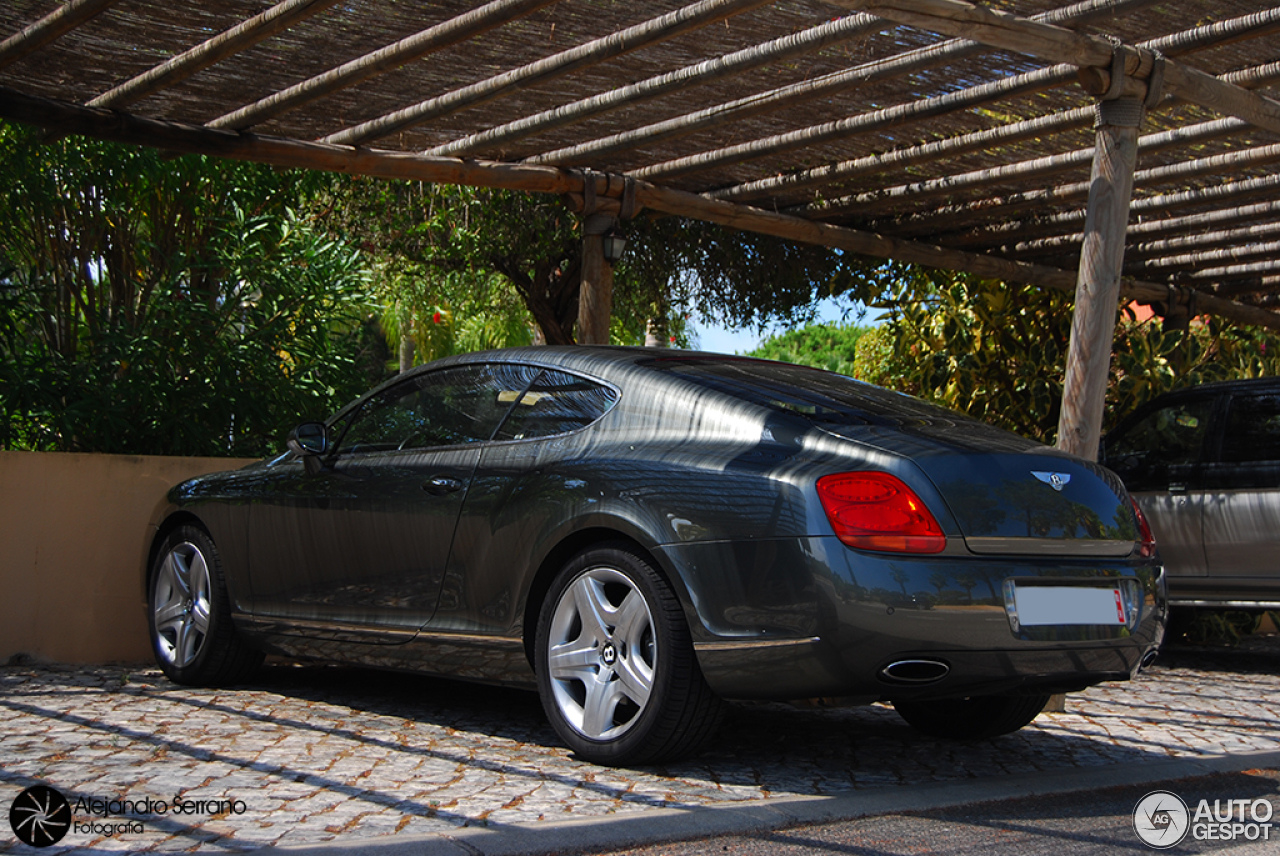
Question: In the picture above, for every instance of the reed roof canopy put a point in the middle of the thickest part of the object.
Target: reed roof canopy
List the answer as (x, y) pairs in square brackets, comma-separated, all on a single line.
[(932, 131)]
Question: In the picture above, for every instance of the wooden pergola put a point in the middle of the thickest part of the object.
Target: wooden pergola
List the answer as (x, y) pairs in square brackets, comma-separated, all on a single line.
[(1119, 149)]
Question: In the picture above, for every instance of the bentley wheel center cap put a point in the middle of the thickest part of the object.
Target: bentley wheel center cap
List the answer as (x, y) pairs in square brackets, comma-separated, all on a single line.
[(608, 654)]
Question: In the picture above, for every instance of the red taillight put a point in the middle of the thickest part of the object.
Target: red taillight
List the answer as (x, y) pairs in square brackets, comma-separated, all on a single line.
[(1146, 538), (876, 511)]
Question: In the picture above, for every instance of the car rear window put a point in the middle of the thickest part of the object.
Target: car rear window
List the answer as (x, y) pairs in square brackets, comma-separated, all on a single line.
[(817, 395), (556, 403)]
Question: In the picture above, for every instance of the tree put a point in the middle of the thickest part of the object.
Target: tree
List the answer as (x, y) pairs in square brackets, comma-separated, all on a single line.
[(826, 346), (672, 266), (997, 351), (162, 306)]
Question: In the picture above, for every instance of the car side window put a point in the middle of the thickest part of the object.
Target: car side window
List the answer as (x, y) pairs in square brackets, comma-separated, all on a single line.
[(1166, 437), (449, 407), (1252, 431), (556, 403)]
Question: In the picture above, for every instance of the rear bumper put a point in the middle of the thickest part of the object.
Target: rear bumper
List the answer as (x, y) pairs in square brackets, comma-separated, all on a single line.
[(810, 617)]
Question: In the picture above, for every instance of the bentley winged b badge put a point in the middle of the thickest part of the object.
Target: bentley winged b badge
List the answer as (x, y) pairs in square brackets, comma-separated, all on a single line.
[(1057, 481)]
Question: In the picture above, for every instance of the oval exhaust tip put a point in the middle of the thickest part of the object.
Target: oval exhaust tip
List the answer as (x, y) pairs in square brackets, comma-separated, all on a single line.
[(915, 671)]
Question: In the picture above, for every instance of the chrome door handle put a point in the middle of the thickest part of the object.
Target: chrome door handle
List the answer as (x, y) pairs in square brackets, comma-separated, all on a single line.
[(440, 485)]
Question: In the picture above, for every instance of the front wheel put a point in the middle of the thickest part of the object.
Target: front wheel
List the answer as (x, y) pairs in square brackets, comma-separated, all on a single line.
[(189, 614), (973, 718), (616, 669)]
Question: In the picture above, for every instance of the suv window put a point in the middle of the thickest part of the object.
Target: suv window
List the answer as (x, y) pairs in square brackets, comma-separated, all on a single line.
[(556, 403), (450, 407), (1168, 436), (1252, 431)]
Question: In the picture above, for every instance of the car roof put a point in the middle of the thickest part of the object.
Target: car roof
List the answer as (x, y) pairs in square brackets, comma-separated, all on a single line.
[(1249, 385)]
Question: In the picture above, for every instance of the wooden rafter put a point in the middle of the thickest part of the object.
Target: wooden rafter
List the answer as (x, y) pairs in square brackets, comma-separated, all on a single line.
[(791, 46), (451, 32), (596, 51), (1057, 44), (244, 35)]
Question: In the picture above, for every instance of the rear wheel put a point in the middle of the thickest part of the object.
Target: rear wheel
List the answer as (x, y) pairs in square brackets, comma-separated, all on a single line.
[(973, 718), (189, 614), (616, 669)]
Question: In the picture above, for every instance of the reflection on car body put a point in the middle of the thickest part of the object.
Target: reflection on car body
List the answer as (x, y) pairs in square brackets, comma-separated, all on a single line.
[(641, 534), (1204, 464)]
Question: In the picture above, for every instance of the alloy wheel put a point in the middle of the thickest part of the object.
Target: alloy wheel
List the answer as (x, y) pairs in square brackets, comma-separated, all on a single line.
[(601, 654)]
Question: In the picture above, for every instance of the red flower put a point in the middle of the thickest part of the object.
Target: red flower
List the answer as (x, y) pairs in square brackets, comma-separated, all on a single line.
[(436, 318)]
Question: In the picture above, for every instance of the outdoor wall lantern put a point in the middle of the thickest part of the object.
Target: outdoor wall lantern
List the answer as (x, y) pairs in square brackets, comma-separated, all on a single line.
[(614, 244)]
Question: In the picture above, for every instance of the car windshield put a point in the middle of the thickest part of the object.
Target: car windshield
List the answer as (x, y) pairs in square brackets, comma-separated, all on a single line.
[(820, 396)]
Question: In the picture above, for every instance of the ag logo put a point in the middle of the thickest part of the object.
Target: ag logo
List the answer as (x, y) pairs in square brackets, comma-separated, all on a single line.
[(1161, 819), (40, 816)]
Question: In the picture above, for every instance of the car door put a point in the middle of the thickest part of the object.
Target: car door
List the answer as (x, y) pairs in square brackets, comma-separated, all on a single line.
[(1242, 497), (357, 549), (1158, 455), (518, 492)]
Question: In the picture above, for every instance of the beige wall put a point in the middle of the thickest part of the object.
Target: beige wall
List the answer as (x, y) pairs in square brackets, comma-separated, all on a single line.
[(73, 537)]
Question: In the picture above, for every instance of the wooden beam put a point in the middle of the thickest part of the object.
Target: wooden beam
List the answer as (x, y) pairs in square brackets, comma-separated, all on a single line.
[(1060, 45), (826, 85), (615, 44), (240, 37), (815, 38), (50, 28), (450, 32), (184, 138)]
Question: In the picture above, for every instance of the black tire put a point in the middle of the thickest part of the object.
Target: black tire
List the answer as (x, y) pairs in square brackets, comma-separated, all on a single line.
[(973, 718), (622, 688), (189, 614)]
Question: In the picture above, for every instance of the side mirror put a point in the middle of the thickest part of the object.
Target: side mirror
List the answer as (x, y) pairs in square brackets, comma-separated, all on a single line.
[(309, 438)]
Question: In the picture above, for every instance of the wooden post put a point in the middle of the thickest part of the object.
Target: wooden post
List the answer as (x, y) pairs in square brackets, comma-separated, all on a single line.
[(595, 298), (1098, 281), (1093, 324)]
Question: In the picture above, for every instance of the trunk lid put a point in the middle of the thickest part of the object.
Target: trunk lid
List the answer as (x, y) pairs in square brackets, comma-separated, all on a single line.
[(1012, 496)]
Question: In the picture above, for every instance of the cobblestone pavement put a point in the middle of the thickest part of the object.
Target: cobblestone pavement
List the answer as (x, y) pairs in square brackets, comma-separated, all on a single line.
[(308, 754)]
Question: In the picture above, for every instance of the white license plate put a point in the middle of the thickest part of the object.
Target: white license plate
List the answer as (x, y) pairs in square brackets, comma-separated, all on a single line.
[(1040, 605)]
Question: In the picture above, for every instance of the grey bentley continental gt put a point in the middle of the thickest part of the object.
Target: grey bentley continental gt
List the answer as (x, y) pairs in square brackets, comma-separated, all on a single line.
[(641, 534)]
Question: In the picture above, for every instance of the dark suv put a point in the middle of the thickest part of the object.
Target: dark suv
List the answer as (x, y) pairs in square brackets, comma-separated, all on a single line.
[(1204, 465)]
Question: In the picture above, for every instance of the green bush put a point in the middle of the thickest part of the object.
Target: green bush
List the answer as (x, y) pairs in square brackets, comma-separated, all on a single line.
[(173, 307)]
